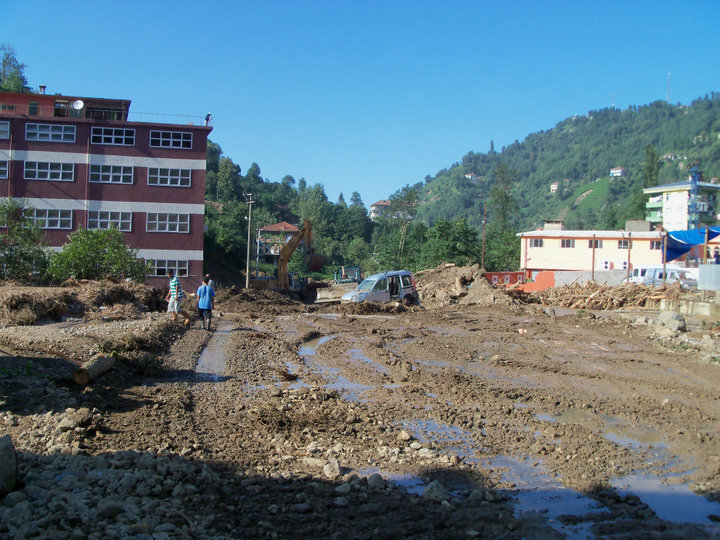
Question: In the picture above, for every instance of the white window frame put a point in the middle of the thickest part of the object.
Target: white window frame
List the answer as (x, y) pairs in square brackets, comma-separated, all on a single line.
[(104, 219), (167, 222), (159, 267), (567, 243), (51, 171), (112, 136), (5, 130), (49, 133), (171, 139), (111, 174), (4, 169), (624, 244), (656, 244), (536, 242), (50, 218), (159, 176), (598, 243)]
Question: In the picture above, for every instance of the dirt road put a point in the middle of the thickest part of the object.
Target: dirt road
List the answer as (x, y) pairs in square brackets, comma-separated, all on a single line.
[(500, 420)]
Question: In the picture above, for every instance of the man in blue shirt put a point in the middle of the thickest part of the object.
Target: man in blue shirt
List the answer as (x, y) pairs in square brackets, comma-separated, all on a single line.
[(206, 302)]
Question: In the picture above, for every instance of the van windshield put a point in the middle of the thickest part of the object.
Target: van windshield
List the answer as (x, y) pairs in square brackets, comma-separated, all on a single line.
[(366, 285)]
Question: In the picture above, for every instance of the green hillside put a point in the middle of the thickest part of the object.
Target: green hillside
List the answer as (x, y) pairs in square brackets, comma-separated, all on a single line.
[(578, 153)]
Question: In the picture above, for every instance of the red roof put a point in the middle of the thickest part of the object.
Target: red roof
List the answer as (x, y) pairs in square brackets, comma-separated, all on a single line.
[(281, 227), (381, 203)]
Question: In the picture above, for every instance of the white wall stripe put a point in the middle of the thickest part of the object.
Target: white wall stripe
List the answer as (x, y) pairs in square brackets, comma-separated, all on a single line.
[(114, 206), (172, 254), (100, 159)]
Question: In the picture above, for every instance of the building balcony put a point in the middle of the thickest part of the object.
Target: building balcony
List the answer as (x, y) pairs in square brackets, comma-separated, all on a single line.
[(654, 217), (650, 205)]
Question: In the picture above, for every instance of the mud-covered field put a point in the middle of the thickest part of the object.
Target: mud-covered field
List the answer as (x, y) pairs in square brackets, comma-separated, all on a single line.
[(461, 419)]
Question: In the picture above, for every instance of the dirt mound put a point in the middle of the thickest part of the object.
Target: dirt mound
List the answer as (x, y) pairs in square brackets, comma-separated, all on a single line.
[(23, 305), (370, 308), (240, 300), (448, 284)]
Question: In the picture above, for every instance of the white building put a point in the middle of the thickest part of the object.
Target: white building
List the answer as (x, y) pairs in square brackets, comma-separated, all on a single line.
[(669, 205), (378, 209)]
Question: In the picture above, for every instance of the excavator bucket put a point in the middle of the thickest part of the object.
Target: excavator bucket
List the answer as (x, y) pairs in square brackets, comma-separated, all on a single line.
[(315, 262)]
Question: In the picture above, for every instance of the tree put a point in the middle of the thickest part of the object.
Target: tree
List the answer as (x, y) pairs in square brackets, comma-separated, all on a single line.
[(356, 199), (502, 203), (228, 181), (12, 72), (96, 254), (651, 167), (21, 250)]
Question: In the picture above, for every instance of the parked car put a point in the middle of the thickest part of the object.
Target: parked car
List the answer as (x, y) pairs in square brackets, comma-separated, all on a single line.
[(395, 285), (657, 277)]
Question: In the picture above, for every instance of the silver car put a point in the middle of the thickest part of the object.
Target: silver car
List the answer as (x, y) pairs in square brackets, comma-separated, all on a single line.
[(395, 285)]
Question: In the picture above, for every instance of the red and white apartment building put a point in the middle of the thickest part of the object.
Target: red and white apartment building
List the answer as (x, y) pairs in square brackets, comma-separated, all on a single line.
[(78, 162)]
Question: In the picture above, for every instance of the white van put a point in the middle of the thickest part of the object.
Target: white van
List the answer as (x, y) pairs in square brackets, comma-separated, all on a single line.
[(637, 274), (396, 285), (656, 277)]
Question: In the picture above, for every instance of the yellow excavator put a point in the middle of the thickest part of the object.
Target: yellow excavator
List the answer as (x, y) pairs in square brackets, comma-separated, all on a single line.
[(289, 282)]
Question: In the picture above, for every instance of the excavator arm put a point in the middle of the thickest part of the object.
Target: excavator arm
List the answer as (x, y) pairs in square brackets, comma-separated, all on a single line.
[(314, 262)]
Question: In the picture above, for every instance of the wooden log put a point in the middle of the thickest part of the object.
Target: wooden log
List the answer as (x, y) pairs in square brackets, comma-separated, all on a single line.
[(92, 369)]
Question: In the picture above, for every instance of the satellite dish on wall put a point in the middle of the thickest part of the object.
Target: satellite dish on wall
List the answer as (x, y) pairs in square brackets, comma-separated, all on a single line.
[(78, 104)]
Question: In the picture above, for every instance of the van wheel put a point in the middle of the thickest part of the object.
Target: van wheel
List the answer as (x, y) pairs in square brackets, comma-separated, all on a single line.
[(410, 300)]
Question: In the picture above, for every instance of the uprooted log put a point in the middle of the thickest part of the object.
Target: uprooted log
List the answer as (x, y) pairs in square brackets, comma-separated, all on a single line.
[(93, 368)]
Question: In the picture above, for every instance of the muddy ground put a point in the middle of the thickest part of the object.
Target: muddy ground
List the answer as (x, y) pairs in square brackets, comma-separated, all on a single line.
[(482, 418)]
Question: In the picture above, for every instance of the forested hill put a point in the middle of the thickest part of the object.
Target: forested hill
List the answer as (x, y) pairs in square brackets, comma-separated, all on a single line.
[(655, 143)]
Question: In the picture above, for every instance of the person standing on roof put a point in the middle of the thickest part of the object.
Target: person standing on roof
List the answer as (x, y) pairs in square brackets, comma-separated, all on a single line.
[(174, 297)]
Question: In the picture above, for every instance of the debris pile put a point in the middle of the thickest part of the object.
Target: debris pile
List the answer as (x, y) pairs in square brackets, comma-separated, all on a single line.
[(591, 295), (448, 284)]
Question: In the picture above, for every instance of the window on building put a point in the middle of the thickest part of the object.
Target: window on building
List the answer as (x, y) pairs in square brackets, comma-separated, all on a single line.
[(33, 108), (116, 136), (623, 244), (3, 169), (567, 243), (163, 222), (536, 242), (104, 220), (48, 218), (159, 267), (656, 244), (170, 139), (50, 132), (169, 177), (4, 107), (597, 244), (43, 170), (111, 174), (4, 130)]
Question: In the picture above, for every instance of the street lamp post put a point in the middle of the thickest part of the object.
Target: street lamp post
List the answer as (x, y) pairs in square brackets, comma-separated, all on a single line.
[(249, 199)]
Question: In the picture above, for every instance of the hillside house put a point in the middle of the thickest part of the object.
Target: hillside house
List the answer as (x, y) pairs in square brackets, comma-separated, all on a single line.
[(378, 209), (554, 187), (618, 172), (272, 238)]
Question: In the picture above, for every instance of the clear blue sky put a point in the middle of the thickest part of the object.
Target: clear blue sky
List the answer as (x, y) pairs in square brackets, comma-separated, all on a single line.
[(368, 96)]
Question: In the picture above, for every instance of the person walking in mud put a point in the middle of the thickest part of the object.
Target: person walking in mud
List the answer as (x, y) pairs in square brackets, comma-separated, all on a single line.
[(174, 297), (206, 302)]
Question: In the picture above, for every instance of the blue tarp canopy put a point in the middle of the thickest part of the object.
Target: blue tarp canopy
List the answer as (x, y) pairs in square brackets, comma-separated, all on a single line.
[(680, 242)]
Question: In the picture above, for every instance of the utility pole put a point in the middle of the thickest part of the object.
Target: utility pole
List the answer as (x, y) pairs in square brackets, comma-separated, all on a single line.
[(249, 200), (482, 260)]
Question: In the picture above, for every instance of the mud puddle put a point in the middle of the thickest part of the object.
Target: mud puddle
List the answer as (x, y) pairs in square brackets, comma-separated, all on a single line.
[(211, 363), (670, 501), (539, 493)]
